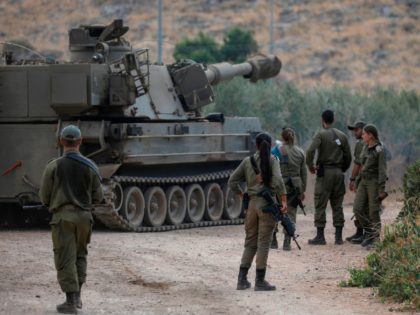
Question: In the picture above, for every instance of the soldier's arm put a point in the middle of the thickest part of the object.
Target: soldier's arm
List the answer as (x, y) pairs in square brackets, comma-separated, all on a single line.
[(277, 179), (97, 192), (347, 153), (382, 173), (310, 153), (47, 183), (237, 177), (303, 174)]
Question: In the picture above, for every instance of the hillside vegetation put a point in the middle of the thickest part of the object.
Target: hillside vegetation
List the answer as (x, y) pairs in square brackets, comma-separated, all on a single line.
[(354, 43)]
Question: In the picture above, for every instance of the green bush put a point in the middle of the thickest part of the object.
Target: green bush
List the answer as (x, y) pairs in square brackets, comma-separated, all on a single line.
[(394, 266)]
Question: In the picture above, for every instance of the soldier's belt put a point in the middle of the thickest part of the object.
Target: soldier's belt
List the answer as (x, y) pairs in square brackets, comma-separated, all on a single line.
[(331, 166)]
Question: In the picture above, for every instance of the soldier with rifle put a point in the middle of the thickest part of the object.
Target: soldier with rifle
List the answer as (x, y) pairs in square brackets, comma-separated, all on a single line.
[(293, 170), (259, 225)]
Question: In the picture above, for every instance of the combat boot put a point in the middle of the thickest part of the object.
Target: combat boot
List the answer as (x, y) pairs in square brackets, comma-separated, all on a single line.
[(243, 282), (370, 238), (286, 242), (79, 298), (358, 234), (338, 235), (260, 283), (274, 243), (69, 306), (319, 239)]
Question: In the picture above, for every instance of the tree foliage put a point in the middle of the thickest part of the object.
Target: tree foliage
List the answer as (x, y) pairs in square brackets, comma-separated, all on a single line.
[(201, 49), (237, 45)]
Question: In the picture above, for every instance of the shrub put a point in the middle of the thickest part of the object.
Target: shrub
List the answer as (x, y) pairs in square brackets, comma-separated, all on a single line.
[(394, 266)]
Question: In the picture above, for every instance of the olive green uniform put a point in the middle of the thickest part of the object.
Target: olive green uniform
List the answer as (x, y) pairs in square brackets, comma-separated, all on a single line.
[(259, 225), (69, 188), (370, 182), (358, 148), (334, 156), (293, 169)]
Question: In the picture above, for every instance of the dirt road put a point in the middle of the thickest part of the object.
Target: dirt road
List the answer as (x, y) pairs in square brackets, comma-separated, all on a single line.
[(187, 272)]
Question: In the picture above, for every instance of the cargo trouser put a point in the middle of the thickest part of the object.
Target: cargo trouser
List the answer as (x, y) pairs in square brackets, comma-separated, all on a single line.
[(367, 206), (259, 227), (71, 231), (329, 187)]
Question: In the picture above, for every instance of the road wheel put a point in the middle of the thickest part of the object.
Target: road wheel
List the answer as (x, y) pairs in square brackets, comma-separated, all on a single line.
[(195, 203), (177, 205), (214, 202), (155, 206), (118, 196), (233, 204), (133, 206)]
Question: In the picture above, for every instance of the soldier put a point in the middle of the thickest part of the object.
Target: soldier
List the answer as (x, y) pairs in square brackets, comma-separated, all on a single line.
[(370, 185), (293, 170), (259, 225), (334, 158), (357, 129), (69, 187)]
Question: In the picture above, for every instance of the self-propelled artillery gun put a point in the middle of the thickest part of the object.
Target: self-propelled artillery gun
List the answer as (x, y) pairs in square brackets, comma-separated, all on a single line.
[(164, 164)]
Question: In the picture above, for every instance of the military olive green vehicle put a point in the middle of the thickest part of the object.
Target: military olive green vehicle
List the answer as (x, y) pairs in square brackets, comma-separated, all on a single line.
[(164, 165)]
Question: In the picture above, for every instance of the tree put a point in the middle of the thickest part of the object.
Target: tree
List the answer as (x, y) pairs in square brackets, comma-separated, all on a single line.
[(201, 49), (238, 44)]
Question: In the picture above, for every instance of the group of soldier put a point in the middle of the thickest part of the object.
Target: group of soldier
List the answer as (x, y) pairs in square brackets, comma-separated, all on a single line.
[(334, 158), (72, 183)]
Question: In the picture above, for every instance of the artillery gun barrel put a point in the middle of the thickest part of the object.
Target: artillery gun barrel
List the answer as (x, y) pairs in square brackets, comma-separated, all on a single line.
[(256, 68)]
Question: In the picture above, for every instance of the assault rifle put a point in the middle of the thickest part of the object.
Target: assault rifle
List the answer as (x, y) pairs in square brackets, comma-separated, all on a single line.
[(294, 196), (274, 207)]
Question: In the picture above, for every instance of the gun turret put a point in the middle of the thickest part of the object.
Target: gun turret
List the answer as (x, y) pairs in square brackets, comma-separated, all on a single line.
[(193, 81)]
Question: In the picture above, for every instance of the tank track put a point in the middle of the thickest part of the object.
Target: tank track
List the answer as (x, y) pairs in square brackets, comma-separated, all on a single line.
[(112, 219)]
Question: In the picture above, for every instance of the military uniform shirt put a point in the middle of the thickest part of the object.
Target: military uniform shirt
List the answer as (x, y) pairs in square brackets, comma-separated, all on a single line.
[(374, 165), (82, 188), (245, 173), (358, 148), (294, 165), (330, 153)]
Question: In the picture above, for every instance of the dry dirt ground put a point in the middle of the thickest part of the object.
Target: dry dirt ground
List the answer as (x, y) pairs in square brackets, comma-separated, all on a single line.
[(188, 272)]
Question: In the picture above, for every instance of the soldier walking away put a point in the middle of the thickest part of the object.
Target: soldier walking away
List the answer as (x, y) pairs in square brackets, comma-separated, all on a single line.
[(69, 187), (357, 130), (334, 158), (293, 170), (370, 185), (259, 225)]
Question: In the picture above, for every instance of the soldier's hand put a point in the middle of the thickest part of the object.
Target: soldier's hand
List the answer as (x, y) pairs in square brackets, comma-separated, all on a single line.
[(259, 178), (382, 195), (312, 169), (302, 196), (283, 208), (352, 186)]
